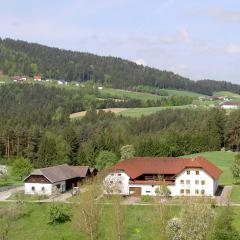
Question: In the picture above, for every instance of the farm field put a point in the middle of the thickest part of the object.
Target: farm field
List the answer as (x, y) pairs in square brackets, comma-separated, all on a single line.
[(131, 112), (138, 112), (119, 93), (227, 94), (172, 92), (123, 94)]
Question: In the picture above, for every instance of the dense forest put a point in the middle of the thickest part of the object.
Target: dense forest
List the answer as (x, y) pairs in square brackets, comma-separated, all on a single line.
[(34, 123), (19, 57)]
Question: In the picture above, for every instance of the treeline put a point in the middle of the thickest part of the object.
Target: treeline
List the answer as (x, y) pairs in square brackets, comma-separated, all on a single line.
[(44, 106), (136, 103), (168, 133), (19, 57)]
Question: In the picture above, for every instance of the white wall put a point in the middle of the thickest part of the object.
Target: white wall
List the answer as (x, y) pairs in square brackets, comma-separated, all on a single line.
[(209, 187), (38, 188), (43, 188), (119, 184)]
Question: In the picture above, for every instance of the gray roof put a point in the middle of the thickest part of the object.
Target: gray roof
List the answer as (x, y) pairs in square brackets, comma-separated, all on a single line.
[(62, 172)]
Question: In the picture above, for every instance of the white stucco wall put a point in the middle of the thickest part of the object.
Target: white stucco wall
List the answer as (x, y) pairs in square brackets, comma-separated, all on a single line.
[(119, 184), (116, 183), (209, 187), (147, 189), (43, 188), (39, 188)]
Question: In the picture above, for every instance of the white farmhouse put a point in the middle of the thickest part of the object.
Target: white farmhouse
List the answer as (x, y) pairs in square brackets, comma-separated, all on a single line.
[(43, 181), (231, 105), (144, 175)]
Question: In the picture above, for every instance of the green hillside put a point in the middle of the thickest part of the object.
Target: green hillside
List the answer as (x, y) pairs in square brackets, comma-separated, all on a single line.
[(227, 94), (121, 94), (138, 112)]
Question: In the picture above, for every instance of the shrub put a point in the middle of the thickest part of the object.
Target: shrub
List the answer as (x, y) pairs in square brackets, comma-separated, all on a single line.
[(146, 199), (59, 213)]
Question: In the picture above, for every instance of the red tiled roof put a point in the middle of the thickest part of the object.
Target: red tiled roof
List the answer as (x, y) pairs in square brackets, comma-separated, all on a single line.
[(231, 103), (137, 166)]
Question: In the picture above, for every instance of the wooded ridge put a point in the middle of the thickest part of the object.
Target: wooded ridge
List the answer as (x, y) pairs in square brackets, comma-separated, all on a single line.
[(23, 58)]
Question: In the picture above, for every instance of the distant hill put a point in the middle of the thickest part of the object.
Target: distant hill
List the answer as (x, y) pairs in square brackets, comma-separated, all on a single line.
[(19, 57)]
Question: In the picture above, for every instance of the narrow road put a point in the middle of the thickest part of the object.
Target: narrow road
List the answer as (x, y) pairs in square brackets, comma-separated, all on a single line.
[(6, 194), (225, 197)]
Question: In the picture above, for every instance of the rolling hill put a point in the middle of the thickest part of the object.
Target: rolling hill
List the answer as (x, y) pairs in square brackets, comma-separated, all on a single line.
[(19, 57)]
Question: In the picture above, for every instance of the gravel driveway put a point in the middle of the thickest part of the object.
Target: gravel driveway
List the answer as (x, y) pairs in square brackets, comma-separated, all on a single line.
[(6, 194)]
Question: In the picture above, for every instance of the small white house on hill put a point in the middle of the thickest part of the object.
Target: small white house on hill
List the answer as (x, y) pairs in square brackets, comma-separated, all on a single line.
[(62, 177), (182, 176)]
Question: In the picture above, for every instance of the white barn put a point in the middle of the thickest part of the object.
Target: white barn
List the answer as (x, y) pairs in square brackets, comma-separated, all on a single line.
[(182, 176), (43, 181)]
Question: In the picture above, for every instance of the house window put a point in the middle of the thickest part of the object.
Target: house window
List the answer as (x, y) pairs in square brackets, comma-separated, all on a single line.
[(188, 182), (43, 189), (119, 181), (147, 191), (33, 189), (197, 172), (202, 191), (182, 191), (203, 182), (119, 174), (196, 182), (111, 181), (187, 191), (58, 186), (196, 191), (188, 172), (182, 181)]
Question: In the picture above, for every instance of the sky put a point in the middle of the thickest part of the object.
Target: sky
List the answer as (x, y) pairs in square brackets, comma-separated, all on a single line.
[(196, 39)]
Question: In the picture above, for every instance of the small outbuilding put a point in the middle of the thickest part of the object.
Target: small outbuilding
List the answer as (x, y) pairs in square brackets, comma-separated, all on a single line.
[(44, 181)]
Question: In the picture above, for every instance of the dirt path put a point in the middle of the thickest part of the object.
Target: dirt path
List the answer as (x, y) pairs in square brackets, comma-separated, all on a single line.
[(224, 198), (6, 194)]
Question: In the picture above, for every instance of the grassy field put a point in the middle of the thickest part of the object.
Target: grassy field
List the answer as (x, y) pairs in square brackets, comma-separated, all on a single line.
[(138, 112), (172, 92), (131, 112), (139, 224), (124, 94), (227, 94), (34, 225)]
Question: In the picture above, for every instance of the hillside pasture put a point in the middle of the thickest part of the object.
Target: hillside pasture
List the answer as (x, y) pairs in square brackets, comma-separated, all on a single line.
[(83, 113), (227, 94), (125, 94), (131, 112)]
